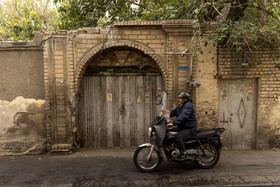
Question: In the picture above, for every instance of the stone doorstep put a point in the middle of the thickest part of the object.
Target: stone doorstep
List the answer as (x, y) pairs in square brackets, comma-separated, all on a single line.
[(61, 148)]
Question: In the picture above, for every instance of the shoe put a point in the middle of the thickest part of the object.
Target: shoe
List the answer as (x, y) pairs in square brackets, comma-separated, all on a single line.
[(181, 157)]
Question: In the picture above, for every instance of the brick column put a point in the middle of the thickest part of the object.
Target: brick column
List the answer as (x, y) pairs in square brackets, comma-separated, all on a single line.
[(178, 34), (58, 119)]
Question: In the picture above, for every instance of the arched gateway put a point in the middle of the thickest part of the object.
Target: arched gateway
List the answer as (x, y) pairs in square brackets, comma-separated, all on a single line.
[(120, 94), (102, 84)]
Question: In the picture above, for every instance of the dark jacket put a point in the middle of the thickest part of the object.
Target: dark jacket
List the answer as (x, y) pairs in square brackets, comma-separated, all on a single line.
[(185, 116)]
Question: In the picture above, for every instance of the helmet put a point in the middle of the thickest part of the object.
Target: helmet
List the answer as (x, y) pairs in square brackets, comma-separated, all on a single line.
[(184, 95)]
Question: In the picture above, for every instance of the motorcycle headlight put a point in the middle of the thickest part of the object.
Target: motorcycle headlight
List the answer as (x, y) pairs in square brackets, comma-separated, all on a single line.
[(150, 131)]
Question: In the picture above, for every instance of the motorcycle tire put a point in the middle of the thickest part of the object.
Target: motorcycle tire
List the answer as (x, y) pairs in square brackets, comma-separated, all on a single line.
[(141, 162), (208, 156)]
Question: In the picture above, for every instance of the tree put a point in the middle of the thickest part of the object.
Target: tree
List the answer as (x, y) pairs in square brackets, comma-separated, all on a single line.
[(240, 23), (87, 13), (20, 18)]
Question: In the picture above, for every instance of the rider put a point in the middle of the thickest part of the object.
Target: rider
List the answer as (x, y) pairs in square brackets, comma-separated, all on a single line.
[(185, 122)]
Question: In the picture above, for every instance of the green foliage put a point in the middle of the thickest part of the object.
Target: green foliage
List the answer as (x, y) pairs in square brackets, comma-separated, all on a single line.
[(259, 27), (240, 23), (90, 13), (20, 18)]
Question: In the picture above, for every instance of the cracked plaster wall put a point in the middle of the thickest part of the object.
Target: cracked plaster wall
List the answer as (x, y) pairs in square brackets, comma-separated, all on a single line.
[(22, 105), (22, 129)]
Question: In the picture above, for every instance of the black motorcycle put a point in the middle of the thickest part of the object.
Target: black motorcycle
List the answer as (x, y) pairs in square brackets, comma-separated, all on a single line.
[(203, 149)]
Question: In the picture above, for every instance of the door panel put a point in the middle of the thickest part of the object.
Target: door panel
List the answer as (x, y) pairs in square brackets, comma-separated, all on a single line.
[(117, 110), (237, 102)]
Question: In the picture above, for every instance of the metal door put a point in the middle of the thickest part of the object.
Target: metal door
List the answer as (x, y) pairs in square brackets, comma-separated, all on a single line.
[(116, 111), (237, 113)]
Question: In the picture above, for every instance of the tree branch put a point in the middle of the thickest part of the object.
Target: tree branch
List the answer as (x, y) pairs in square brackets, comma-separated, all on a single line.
[(15, 5), (133, 2), (247, 44), (211, 4)]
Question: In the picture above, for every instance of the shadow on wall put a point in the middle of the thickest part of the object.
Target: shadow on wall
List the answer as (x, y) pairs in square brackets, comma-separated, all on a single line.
[(22, 127)]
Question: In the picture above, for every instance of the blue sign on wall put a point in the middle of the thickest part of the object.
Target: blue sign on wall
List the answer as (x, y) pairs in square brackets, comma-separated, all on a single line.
[(244, 62), (183, 68)]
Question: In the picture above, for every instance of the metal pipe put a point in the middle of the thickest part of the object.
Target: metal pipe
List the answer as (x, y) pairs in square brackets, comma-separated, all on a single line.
[(191, 66), (167, 53)]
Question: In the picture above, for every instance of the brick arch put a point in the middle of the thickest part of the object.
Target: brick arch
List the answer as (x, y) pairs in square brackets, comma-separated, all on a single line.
[(82, 64)]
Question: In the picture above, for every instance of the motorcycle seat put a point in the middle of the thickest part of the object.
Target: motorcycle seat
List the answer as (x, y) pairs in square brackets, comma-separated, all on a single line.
[(205, 133)]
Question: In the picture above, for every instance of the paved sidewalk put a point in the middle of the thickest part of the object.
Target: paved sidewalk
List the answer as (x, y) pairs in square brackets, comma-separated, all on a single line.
[(114, 167)]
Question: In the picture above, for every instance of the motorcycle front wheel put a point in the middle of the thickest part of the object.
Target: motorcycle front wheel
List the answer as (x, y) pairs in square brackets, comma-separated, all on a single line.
[(209, 156), (147, 158)]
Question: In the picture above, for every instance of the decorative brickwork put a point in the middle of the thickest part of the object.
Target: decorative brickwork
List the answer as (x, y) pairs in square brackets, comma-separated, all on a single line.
[(57, 88), (86, 58)]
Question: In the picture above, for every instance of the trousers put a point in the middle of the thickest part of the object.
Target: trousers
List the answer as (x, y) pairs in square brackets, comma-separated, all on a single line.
[(183, 135)]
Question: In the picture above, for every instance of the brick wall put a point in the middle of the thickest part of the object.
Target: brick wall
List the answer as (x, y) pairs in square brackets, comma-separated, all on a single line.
[(261, 68), (58, 70), (205, 70), (68, 54), (122, 58), (157, 37)]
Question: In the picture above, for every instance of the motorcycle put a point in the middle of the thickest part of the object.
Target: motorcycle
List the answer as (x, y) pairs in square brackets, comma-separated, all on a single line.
[(203, 149)]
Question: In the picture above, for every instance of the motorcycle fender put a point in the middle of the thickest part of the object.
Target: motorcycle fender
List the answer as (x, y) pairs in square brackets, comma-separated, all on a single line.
[(146, 145), (150, 145)]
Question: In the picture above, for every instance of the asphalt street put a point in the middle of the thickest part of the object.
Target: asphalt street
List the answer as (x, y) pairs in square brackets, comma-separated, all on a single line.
[(114, 167)]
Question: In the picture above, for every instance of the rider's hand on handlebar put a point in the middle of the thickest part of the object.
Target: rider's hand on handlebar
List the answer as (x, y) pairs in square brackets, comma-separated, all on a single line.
[(169, 125)]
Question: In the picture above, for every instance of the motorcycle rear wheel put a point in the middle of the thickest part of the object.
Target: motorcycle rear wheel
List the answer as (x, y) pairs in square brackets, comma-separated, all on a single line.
[(144, 164), (209, 156)]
